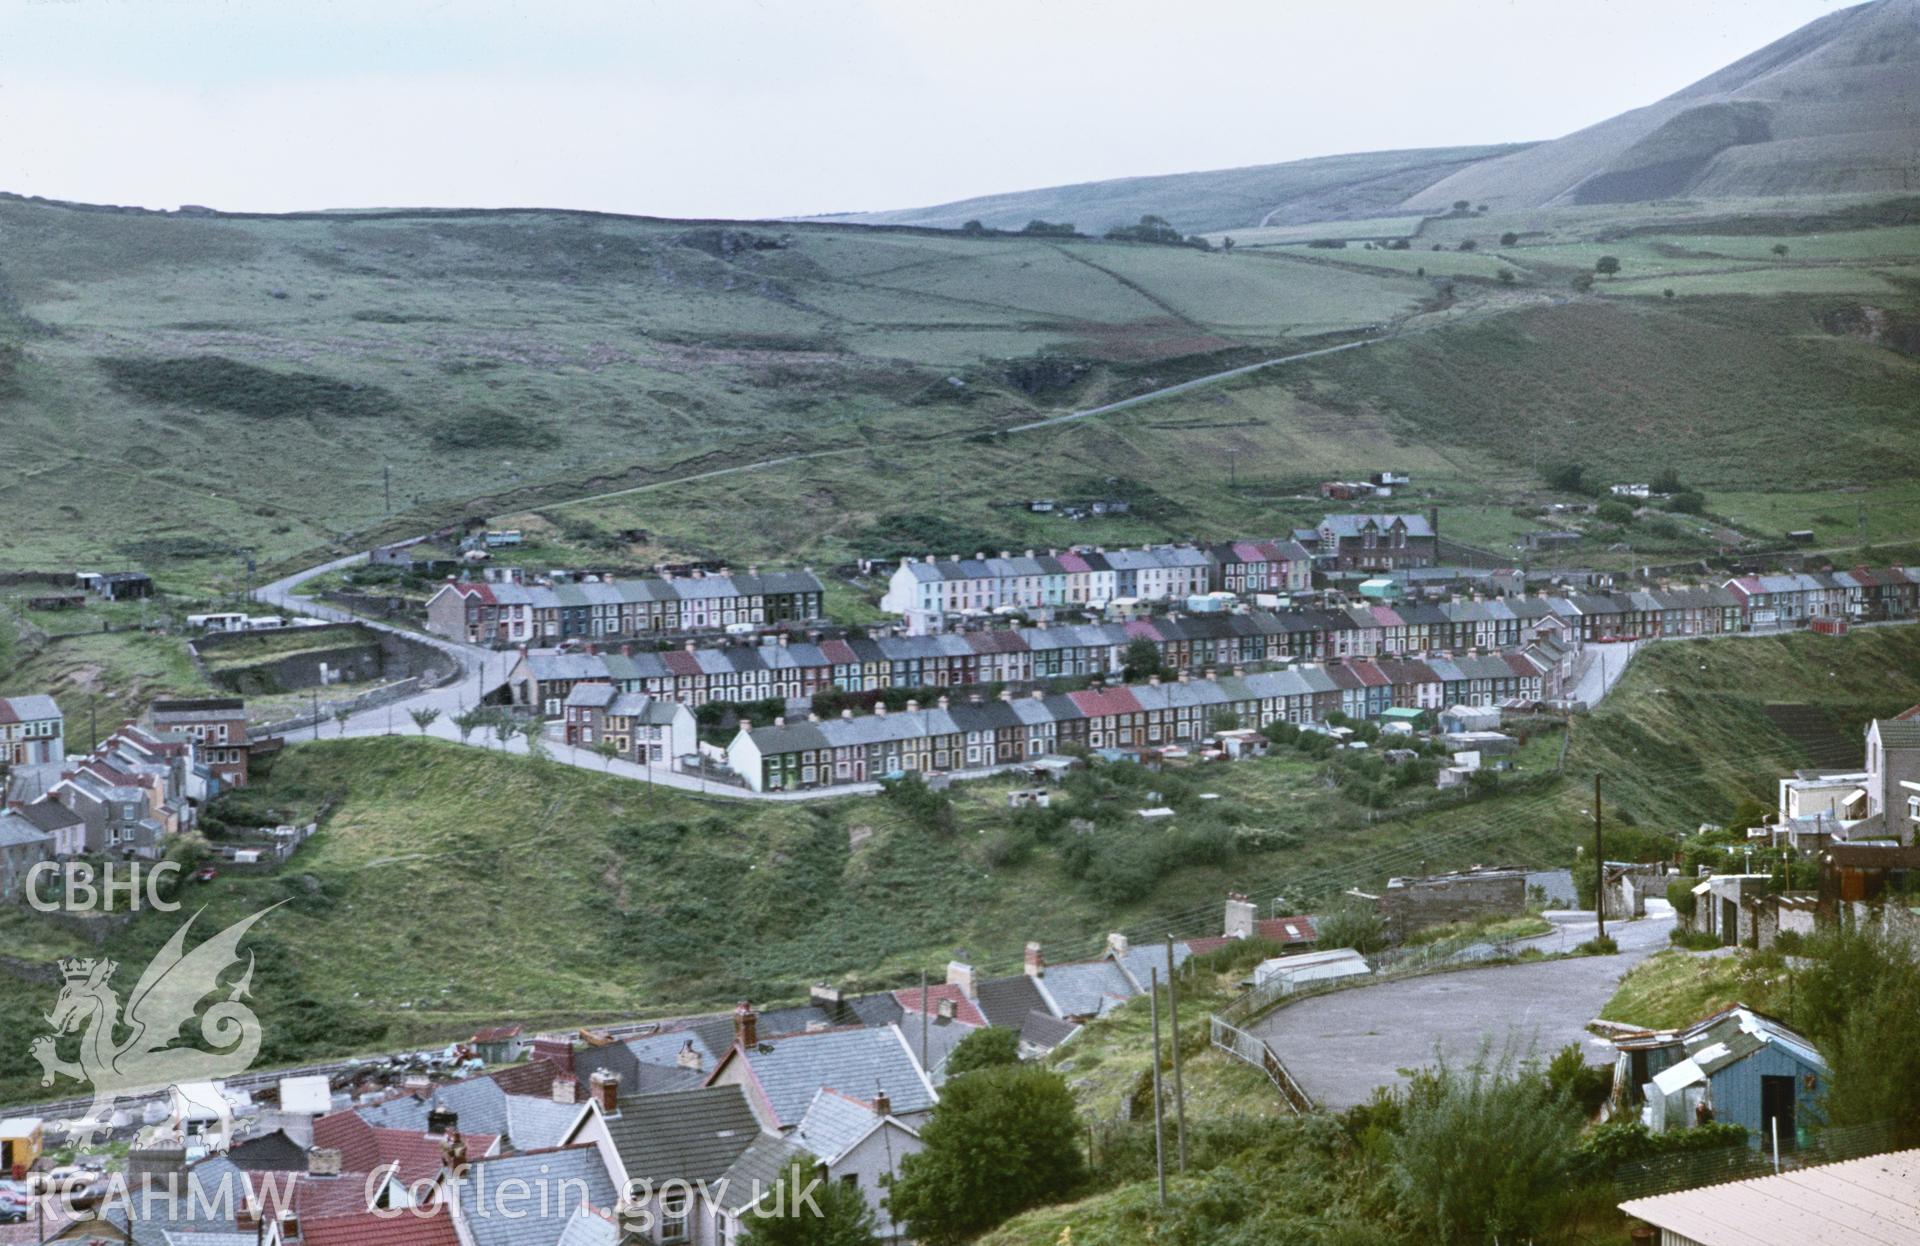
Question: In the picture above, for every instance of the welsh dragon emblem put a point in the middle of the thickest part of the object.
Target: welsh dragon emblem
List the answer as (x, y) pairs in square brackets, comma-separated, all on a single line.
[(133, 1053)]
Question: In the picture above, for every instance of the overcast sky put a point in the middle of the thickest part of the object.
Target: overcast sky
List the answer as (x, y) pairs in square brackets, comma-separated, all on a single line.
[(745, 108)]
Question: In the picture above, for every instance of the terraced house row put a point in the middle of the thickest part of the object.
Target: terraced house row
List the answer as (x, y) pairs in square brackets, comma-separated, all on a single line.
[(528, 614), (980, 733), (696, 675), (934, 587)]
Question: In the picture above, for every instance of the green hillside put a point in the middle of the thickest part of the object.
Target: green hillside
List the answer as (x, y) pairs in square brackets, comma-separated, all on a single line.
[(186, 390)]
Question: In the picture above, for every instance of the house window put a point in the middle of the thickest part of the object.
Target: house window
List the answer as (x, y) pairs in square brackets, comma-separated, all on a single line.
[(674, 1205)]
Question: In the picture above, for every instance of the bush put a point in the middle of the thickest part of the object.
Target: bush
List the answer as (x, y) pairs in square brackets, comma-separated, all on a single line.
[(1604, 945), (990, 1047), (1614, 512), (1361, 929), (1509, 238), (1584, 1085), (1688, 503), (1483, 1150)]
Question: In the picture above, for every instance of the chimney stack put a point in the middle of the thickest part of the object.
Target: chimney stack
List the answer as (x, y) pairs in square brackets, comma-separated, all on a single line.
[(606, 1091), (879, 709), (846, 714), (1240, 917), (323, 1161), (453, 1154), (882, 1105), (942, 702), (912, 705), (565, 1089), (1036, 963), (1117, 944), (960, 974), (441, 1122), (746, 1025)]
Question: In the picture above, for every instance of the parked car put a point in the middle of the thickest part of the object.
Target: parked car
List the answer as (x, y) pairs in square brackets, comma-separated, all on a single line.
[(206, 874)]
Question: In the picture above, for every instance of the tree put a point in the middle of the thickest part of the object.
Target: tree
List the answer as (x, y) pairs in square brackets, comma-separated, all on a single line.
[(1506, 276), (1857, 1001), (1509, 238), (1667, 293), (813, 1212), (1142, 659), (973, 229), (340, 716), (1567, 477), (1468, 244), (1226, 242), (1482, 1151), (466, 721), (1461, 205), (1780, 249), (1614, 512), (608, 750), (1000, 1141), (423, 718), (1582, 282), (1687, 502), (987, 1048), (534, 732), (1607, 265), (503, 730)]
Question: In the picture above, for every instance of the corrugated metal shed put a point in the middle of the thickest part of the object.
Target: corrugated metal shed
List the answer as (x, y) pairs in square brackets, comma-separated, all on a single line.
[(1862, 1202)]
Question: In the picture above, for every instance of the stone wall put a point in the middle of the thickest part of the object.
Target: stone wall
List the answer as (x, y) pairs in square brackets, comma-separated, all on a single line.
[(1410, 905)]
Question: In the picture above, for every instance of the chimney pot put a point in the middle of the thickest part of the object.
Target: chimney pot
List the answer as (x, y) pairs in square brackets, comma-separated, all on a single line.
[(626, 650), (606, 1091), (846, 713), (912, 705), (746, 1025), (879, 709), (942, 702)]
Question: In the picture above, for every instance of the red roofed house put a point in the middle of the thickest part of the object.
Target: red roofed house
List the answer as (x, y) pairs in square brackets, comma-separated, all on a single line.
[(1293, 934)]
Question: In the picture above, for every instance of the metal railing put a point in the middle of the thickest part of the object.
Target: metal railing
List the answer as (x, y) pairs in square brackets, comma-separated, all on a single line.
[(1255, 1051)]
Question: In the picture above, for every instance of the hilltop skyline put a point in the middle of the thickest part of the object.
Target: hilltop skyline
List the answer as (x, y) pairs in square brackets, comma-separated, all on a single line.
[(748, 110)]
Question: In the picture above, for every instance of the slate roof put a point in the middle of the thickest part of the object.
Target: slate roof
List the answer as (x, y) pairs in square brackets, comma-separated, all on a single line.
[(33, 708), (859, 1061), (17, 832), (1899, 732), (535, 1123), (273, 1152), (1046, 1031), (500, 1198), (1007, 1001), (479, 1105), (754, 1174), (835, 1123), (689, 1135)]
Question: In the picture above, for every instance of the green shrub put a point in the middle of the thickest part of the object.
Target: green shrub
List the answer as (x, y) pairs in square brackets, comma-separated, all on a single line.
[(226, 385)]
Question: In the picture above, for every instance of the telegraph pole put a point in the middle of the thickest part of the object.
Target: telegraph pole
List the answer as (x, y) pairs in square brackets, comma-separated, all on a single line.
[(386, 484), (1599, 864), (924, 1010), (1179, 1082), (1159, 1122)]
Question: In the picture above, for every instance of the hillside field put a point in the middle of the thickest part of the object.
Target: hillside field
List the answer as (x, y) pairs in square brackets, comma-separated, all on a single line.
[(190, 391)]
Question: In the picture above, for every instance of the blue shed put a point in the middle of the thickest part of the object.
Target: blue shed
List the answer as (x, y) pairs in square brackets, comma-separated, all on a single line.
[(1738, 1067)]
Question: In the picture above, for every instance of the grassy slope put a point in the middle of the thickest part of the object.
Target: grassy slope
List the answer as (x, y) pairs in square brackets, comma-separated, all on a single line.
[(1302, 190), (1677, 988), (548, 893), (511, 359)]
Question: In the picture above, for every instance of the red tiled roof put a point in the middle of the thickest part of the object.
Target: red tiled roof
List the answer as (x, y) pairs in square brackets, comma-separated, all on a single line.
[(481, 591), (1371, 675), (409, 1228), (1287, 929), (499, 1033), (1521, 666), (680, 662), (838, 652), (419, 1158), (1344, 676), (996, 640), (1105, 702), (352, 1136), (1073, 562), (535, 1077), (1907, 716), (1212, 943), (314, 1198), (964, 1009), (1143, 627)]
